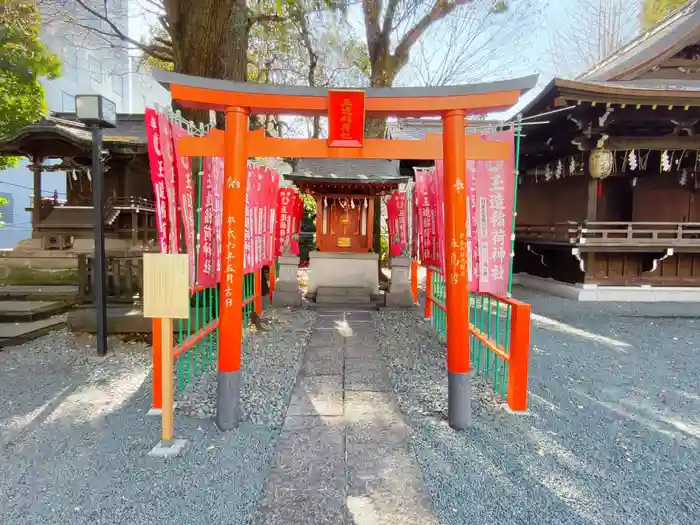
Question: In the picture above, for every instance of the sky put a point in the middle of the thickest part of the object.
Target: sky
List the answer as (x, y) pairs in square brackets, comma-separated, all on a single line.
[(528, 54)]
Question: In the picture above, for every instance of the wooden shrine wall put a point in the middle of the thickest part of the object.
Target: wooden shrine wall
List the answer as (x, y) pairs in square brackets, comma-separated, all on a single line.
[(662, 199), (553, 201)]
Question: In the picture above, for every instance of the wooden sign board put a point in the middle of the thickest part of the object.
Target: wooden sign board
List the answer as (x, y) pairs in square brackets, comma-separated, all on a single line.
[(166, 286)]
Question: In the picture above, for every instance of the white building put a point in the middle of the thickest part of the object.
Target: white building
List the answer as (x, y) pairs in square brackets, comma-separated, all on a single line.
[(92, 63)]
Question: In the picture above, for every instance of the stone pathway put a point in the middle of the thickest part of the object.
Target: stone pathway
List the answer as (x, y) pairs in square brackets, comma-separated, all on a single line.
[(343, 455)]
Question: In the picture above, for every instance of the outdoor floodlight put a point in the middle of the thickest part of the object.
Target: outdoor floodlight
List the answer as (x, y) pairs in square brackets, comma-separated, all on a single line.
[(96, 110)]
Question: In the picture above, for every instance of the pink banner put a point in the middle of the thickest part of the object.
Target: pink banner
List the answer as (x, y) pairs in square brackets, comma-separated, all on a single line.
[(185, 187), (156, 162), (494, 219), (168, 157)]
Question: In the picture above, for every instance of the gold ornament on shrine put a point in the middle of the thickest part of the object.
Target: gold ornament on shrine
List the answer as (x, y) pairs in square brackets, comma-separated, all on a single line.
[(600, 163)]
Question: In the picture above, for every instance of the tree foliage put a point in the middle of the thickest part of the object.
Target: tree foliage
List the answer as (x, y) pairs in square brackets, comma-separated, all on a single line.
[(653, 11), (23, 61)]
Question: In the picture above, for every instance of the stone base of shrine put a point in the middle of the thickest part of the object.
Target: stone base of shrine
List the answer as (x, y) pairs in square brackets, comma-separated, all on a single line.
[(596, 293), (349, 270)]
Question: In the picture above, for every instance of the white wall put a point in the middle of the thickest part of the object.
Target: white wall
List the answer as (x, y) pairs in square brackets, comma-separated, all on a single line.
[(91, 64)]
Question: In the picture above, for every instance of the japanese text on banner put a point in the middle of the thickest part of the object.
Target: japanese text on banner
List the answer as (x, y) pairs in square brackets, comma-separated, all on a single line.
[(168, 165), (155, 157), (494, 220), (185, 186)]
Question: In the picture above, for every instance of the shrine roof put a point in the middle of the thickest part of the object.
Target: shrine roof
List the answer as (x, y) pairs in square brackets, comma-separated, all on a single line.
[(638, 92), (418, 128), (355, 171), (659, 43), (62, 135)]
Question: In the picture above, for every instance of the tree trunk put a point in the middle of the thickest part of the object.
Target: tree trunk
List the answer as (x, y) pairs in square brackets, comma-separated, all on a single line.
[(210, 39)]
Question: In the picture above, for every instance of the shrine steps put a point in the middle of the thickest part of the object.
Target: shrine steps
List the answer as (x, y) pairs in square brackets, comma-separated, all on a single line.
[(343, 295)]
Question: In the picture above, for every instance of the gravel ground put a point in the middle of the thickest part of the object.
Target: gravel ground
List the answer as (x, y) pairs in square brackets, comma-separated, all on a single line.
[(74, 437), (271, 360), (612, 434)]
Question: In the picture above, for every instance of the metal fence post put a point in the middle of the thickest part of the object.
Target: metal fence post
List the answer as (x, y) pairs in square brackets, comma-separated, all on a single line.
[(519, 356), (428, 293)]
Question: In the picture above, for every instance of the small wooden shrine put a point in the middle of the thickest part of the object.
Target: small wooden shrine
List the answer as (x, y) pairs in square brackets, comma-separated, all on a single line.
[(610, 169), (68, 224), (345, 192)]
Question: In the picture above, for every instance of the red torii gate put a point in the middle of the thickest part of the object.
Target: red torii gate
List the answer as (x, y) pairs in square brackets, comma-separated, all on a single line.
[(347, 110)]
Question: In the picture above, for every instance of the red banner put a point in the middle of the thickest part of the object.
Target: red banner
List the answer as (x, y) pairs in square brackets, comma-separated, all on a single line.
[(494, 189), (439, 178), (398, 223), (392, 219), (155, 158), (167, 149), (415, 231), (271, 214), (206, 256), (185, 186), (217, 164), (290, 208), (427, 217), (472, 252)]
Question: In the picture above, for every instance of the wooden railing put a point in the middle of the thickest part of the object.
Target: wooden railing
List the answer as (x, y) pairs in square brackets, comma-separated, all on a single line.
[(622, 234), (124, 278)]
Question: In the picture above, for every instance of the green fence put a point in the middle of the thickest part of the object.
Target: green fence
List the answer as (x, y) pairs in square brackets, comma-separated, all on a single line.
[(489, 329)]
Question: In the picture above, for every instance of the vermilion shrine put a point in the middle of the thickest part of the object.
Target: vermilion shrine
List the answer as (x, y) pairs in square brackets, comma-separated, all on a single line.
[(347, 111)]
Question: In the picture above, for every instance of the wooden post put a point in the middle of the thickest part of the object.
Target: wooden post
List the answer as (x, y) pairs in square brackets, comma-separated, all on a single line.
[(166, 338), (456, 278), (258, 292), (428, 293), (36, 211), (157, 363), (134, 228), (414, 281), (231, 302), (370, 225), (273, 276), (519, 356)]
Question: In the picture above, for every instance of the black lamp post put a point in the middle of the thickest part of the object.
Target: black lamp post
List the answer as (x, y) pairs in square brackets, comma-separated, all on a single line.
[(97, 113)]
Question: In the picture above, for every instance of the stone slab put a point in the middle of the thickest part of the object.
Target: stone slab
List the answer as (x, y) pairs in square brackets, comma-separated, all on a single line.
[(306, 483), (44, 292), (317, 396), (18, 333), (366, 375), (322, 360), (350, 315), (384, 480), (325, 338), (385, 487), (359, 351), (168, 450)]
